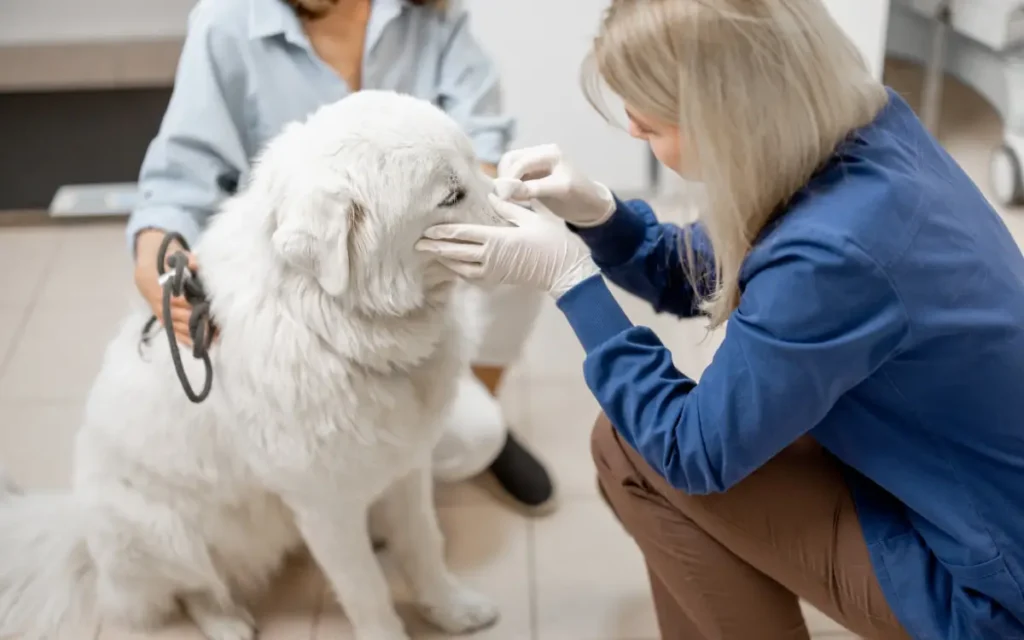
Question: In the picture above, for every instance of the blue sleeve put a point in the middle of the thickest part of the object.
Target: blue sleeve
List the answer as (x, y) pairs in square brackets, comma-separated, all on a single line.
[(815, 320), (470, 91), (649, 259), (198, 153)]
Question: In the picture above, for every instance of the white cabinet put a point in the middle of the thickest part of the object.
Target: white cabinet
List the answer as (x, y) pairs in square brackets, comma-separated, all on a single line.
[(539, 46), (997, 24)]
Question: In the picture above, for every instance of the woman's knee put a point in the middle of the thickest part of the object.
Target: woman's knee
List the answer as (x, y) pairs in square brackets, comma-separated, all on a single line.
[(619, 478)]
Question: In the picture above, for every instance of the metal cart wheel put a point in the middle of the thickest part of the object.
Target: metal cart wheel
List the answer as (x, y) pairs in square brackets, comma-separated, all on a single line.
[(1005, 176)]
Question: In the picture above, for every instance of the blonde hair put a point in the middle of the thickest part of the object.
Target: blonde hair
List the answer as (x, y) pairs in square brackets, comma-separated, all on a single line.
[(763, 92)]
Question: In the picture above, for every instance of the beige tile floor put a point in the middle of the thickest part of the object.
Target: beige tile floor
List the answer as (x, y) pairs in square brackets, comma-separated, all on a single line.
[(571, 576)]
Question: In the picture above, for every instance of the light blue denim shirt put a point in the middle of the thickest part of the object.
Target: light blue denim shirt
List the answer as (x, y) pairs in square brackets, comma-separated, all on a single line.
[(247, 69)]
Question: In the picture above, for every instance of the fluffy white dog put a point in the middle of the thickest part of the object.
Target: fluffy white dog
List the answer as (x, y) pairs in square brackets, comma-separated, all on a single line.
[(339, 351)]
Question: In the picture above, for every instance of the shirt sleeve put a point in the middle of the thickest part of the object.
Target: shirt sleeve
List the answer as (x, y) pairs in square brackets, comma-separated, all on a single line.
[(470, 91), (650, 260), (815, 320), (198, 154)]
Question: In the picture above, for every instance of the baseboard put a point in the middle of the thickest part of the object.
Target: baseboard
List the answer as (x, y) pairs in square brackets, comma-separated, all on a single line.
[(35, 218)]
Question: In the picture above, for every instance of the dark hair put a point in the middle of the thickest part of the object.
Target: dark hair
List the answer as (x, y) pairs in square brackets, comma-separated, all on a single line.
[(317, 8)]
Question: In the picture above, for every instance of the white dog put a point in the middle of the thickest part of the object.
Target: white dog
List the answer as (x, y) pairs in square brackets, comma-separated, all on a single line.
[(339, 351)]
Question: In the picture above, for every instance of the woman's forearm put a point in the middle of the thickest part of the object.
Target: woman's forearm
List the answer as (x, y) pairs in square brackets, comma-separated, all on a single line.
[(649, 258)]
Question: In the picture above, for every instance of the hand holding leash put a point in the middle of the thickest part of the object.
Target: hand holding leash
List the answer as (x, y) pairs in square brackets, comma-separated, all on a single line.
[(147, 280)]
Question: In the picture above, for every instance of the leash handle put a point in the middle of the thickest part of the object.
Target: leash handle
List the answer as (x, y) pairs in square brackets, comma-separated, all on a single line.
[(180, 281), (165, 245)]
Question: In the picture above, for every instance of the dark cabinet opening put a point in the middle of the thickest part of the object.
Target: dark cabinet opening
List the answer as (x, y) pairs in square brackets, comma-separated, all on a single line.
[(53, 138)]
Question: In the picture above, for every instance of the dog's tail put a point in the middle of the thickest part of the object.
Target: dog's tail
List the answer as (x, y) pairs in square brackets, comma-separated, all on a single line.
[(47, 577)]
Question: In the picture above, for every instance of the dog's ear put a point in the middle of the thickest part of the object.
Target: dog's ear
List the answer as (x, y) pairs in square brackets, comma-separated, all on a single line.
[(313, 236)]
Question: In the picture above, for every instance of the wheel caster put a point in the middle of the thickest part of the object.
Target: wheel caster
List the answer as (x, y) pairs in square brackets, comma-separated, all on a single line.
[(1005, 177)]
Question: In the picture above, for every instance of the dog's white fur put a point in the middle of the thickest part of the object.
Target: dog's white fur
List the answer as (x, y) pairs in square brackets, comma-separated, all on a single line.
[(339, 351)]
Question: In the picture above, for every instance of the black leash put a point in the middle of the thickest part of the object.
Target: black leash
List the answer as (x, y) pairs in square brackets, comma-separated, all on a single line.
[(181, 281)]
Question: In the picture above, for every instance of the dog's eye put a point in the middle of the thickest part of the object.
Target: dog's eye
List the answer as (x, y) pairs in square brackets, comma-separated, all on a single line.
[(454, 198)]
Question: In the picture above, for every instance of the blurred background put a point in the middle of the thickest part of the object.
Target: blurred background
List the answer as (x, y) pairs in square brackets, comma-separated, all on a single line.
[(83, 83), (83, 86)]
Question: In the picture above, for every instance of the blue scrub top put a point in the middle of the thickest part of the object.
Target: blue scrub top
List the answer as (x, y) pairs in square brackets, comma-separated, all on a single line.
[(883, 314)]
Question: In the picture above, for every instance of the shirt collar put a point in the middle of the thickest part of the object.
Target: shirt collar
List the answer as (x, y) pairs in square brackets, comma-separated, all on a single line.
[(269, 18)]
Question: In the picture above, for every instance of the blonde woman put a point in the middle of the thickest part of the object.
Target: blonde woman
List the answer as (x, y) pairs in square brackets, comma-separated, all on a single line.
[(858, 439), (249, 67)]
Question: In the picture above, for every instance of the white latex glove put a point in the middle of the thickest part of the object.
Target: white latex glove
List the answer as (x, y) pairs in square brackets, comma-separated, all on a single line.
[(547, 177), (537, 251)]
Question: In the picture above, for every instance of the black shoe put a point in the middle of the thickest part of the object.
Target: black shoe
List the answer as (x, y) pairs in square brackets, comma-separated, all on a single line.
[(522, 477)]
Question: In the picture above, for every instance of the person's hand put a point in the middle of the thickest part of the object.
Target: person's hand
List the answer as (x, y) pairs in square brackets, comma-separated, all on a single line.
[(147, 280), (549, 179), (537, 251)]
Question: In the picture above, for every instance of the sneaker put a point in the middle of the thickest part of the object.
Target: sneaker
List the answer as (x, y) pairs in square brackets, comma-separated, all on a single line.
[(522, 478)]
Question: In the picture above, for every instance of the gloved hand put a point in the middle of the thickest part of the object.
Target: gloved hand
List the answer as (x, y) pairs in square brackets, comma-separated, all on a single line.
[(537, 251), (547, 177)]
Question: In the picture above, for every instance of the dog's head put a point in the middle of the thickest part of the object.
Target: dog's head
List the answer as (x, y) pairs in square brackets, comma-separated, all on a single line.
[(354, 187)]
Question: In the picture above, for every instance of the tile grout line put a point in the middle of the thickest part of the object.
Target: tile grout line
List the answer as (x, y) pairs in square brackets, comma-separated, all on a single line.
[(531, 579), (529, 387), (321, 603), (31, 306), (524, 389)]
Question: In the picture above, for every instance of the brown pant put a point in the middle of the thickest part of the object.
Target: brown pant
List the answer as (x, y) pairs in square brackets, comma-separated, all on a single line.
[(732, 566)]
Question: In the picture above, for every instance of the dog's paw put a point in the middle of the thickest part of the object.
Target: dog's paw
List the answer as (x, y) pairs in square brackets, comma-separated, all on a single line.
[(229, 628), (462, 611), (236, 623)]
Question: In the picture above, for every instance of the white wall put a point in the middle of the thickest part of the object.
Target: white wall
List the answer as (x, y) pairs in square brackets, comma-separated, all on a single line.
[(539, 45), (866, 23)]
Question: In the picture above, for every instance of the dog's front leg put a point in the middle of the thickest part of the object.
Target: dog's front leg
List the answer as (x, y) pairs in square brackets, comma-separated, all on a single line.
[(337, 536), (415, 539)]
